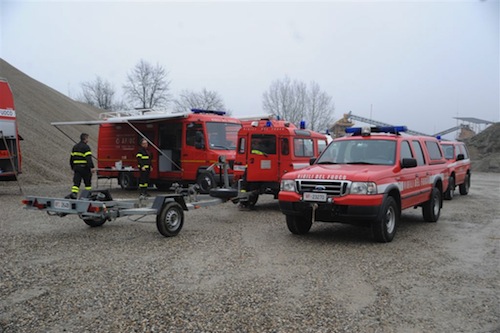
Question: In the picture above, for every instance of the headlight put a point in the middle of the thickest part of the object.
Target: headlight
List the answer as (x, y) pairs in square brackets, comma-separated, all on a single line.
[(363, 188), (288, 185)]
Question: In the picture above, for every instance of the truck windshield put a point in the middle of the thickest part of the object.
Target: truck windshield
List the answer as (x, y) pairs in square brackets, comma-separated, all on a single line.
[(382, 152), (222, 136)]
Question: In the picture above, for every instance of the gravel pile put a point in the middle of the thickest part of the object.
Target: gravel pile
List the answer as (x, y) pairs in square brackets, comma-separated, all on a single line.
[(243, 271)]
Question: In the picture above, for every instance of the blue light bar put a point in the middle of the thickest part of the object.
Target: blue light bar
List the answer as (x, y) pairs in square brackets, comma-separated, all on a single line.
[(377, 129), (269, 123), (302, 124), (219, 113), (389, 129)]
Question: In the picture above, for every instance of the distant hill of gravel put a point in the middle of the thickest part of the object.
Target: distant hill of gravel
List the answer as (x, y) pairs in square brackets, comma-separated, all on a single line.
[(45, 150)]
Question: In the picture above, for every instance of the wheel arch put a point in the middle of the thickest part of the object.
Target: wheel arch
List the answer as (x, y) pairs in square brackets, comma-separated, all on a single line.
[(393, 191)]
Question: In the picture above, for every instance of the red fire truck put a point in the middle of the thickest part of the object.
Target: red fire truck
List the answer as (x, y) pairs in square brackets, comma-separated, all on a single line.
[(268, 149), (367, 178), (186, 147), (10, 150)]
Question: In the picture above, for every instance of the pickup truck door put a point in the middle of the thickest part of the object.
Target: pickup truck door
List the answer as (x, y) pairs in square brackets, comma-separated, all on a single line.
[(411, 179)]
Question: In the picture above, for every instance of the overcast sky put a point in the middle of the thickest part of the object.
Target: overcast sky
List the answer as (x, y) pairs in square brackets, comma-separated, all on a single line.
[(407, 63)]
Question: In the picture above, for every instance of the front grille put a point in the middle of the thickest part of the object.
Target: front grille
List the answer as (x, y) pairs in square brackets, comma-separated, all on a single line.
[(336, 188)]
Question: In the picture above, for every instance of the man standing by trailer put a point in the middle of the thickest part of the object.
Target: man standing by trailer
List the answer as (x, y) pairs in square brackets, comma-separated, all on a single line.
[(144, 158), (82, 165)]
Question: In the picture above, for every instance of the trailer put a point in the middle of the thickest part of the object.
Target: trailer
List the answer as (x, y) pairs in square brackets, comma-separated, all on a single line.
[(96, 207)]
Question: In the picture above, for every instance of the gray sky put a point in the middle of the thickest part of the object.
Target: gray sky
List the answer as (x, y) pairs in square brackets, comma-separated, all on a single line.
[(417, 63)]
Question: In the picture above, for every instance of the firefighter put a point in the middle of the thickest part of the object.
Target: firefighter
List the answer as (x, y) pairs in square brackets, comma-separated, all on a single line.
[(82, 165), (144, 158)]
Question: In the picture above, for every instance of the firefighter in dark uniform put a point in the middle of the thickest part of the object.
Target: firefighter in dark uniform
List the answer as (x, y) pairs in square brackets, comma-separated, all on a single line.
[(144, 158), (82, 165)]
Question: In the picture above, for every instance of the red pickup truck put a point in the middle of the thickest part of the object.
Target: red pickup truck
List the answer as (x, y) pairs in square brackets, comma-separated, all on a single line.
[(458, 167), (367, 178)]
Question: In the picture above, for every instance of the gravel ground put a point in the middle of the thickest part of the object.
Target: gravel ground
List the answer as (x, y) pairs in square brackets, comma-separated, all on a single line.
[(243, 271)]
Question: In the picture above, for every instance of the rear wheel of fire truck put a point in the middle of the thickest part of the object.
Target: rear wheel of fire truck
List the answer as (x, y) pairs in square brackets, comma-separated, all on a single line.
[(127, 181), (206, 181), (448, 195), (384, 228), (94, 222), (298, 225), (170, 220), (464, 187), (432, 208)]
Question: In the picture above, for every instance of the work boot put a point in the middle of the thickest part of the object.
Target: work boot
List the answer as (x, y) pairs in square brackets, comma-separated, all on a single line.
[(72, 195)]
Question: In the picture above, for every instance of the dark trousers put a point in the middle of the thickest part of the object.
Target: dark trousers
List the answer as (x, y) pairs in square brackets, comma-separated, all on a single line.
[(81, 173), (144, 180)]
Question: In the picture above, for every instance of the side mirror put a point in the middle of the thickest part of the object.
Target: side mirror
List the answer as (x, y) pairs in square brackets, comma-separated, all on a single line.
[(199, 145), (408, 163), (312, 160), (460, 157)]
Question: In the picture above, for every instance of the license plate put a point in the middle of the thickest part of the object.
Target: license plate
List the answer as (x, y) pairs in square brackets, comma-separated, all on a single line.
[(59, 204), (312, 196)]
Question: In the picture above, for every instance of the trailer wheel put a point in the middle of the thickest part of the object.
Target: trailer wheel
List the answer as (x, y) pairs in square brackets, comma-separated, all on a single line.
[(206, 181), (170, 220), (94, 222), (127, 181)]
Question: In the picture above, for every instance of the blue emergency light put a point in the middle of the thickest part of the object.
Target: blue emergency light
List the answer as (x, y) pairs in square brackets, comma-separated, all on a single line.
[(302, 124), (198, 111), (269, 123), (365, 131)]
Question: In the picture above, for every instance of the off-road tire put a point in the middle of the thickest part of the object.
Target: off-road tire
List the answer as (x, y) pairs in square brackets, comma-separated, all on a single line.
[(464, 187), (385, 226), (298, 224), (432, 208), (450, 192)]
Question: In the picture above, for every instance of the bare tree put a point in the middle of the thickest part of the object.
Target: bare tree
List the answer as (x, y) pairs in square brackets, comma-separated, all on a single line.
[(319, 108), (286, 99), (205, 100), (293, 101), (148, 85), (98, 93)]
